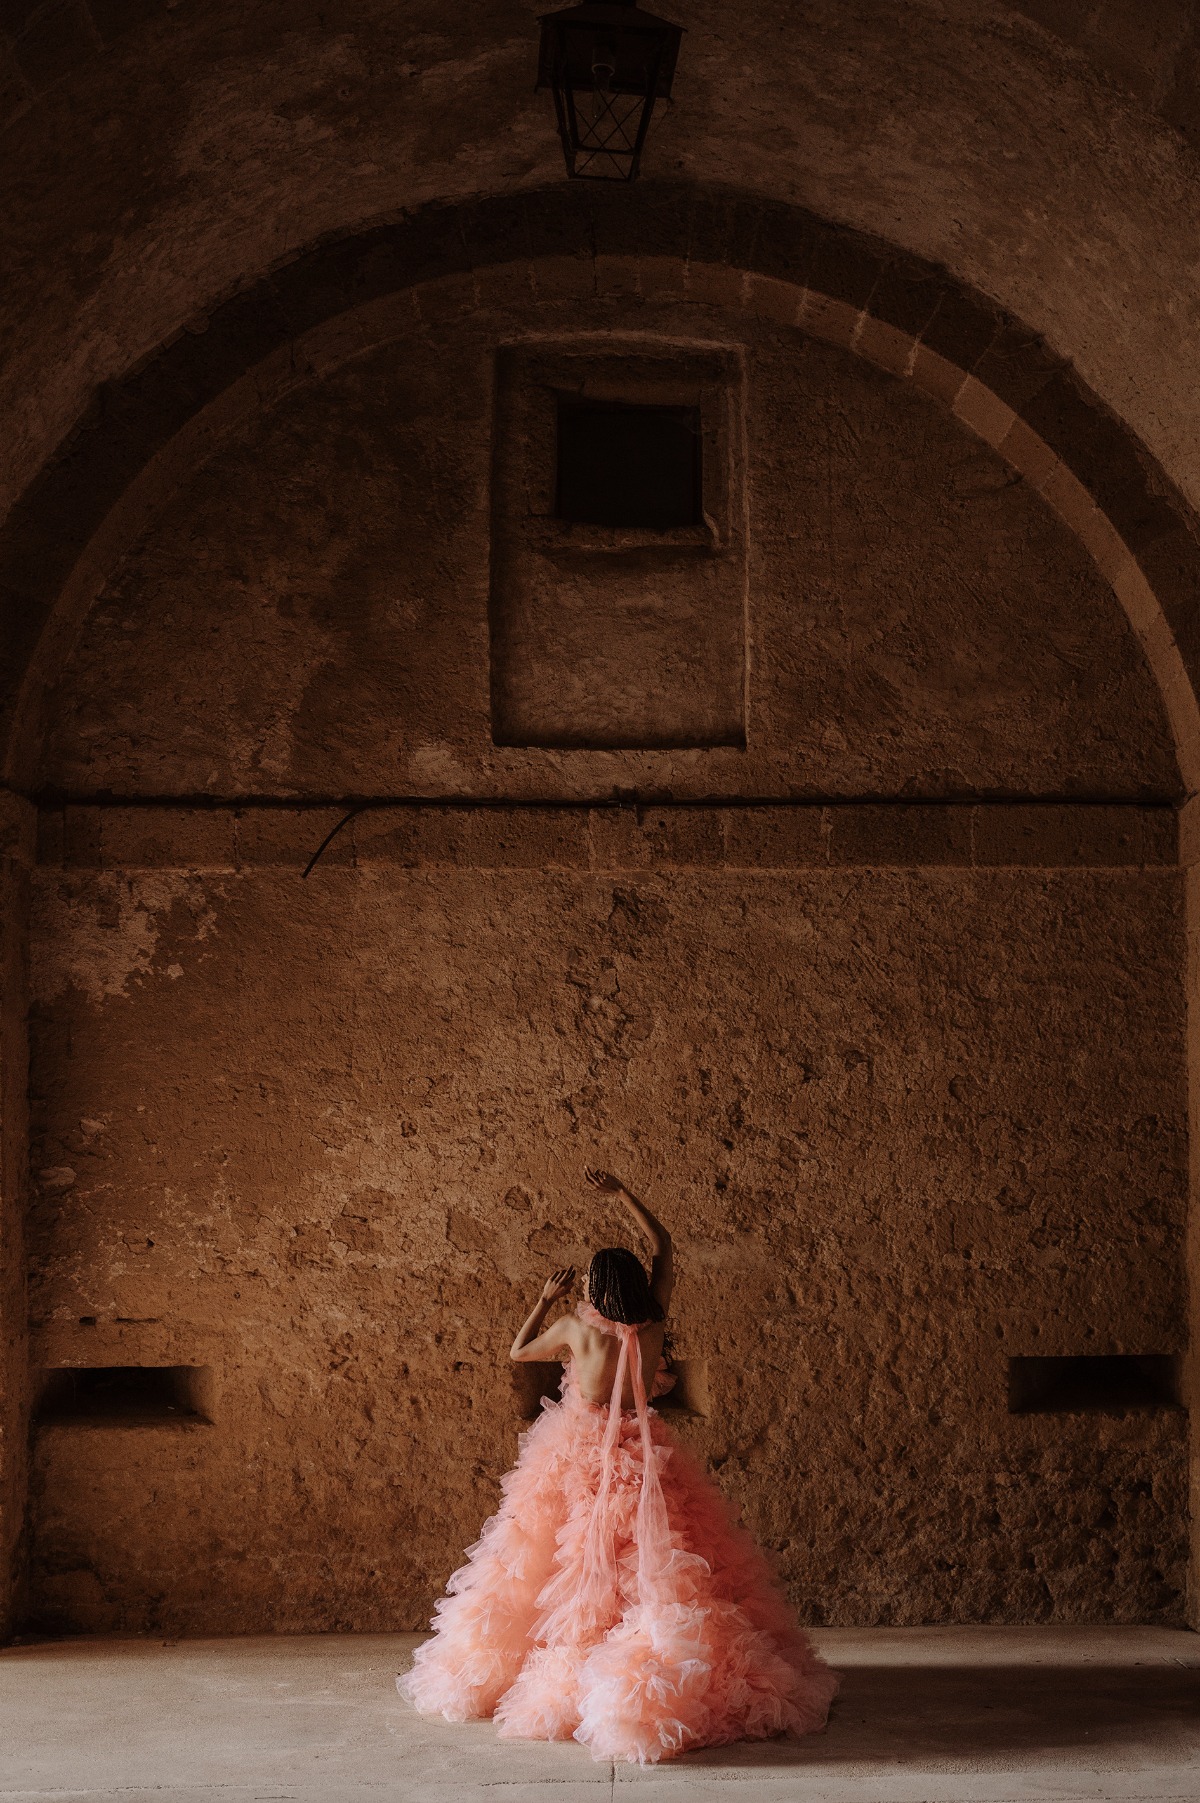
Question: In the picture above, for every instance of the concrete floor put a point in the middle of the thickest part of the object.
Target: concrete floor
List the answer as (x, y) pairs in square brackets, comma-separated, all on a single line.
[(926, 1715)]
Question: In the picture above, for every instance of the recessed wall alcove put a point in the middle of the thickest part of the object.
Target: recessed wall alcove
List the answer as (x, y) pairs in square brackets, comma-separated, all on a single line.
[(878, 991)]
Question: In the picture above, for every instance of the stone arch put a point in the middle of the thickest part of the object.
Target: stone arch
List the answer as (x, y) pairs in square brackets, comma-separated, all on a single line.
[(911, 318)]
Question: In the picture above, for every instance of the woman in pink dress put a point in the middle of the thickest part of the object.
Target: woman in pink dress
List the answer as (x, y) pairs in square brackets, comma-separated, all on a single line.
[(614, 1597)]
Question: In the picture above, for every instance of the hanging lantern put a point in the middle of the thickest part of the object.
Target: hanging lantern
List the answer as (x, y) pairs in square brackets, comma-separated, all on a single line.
[(607, 62)]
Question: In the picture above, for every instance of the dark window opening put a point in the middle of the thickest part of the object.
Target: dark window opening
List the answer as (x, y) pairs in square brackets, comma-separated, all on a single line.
[(123, 1393), (622, 465), (1040, 1386)]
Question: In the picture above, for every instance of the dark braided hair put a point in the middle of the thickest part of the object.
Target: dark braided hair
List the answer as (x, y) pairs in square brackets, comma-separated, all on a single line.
[(619, 1288)]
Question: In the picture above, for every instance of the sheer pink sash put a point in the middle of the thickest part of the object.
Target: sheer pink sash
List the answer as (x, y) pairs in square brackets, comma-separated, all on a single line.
[(594, 1603)]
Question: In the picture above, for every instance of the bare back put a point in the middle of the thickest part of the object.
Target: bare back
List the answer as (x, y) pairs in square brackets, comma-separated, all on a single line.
[(595, 1355)]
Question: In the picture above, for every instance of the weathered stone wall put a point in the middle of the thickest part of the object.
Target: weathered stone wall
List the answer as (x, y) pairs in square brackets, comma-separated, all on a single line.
[(17, 840), (908, 1079), (325, 1138), (309, 615), (309, 619)]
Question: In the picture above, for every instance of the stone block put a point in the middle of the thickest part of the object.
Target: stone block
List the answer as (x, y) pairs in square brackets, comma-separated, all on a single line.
[(1171, 566), (238, 334), (676, 837), (1028, 453), (618, 277), (50, 526), (527, 838), (564, 278), (496, 229), (786, 243), (348, 272), (617, 840), (978, 408), (682, 837), (833, 320), (936, 376), (289, 836), (656, 226), (423, 246), (906, 297), (1099, 451), (845, 267), (1017, 365), (772, 299), (559, 221), (22, 617), (718, 285), (1162, 836), (664, 279), (19, 828), (962, 328), (1058, 836), (885, 346), (167, 838), (83, 837), (474, 838), (723, 228), (507, 287), (445, 301), (776, 838), (896, 834)]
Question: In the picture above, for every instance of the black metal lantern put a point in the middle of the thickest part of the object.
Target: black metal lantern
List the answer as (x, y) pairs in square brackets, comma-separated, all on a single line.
[(607, 63)]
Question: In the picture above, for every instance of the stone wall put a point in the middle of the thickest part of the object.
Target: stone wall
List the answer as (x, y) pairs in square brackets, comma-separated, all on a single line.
[(323, 1138), (900, 1056), (308, 613), (17, 843)]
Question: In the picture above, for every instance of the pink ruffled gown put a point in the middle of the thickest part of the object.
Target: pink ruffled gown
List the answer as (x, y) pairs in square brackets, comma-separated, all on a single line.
[(614, 1597)]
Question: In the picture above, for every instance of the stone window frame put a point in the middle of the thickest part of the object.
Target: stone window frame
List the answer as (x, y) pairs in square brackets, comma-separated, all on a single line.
[(533, 375)]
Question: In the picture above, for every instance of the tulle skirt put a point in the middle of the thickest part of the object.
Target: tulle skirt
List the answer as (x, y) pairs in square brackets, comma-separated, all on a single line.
[(561, 1624)]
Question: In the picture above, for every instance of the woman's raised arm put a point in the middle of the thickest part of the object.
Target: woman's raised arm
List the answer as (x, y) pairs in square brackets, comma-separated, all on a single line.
[(662, 1264), (531, 1344)]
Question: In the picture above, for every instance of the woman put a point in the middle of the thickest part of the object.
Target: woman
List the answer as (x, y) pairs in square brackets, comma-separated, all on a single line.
[(613, 1596)]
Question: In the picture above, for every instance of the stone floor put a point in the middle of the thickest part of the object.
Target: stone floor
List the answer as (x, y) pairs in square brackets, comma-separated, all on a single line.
[(926, 1715)]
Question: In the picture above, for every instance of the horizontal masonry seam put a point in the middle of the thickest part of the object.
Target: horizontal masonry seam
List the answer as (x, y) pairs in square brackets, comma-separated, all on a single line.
[(586, 837)]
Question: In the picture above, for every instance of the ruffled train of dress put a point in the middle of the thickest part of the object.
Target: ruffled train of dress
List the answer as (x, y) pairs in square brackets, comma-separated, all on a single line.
[(614, 1597)]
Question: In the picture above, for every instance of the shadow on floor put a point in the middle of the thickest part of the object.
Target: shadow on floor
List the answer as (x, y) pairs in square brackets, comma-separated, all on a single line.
[(914, 1715)]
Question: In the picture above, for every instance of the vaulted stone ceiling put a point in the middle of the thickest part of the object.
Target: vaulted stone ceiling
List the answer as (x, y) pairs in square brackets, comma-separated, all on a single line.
[(159, 157)]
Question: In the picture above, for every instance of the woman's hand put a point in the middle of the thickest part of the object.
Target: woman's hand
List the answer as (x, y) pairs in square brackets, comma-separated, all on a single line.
[(604, 1180), (559, 1285)]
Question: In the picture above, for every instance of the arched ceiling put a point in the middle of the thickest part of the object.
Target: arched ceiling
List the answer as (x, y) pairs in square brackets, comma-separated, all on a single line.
[(908, 316), (160, 157), (163, 160)]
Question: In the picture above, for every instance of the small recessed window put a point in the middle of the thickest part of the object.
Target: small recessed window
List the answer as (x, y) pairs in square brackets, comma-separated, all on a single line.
[(621, 465), (1079, 1385), (689, 1392), (103, 1394), (533, 1381)]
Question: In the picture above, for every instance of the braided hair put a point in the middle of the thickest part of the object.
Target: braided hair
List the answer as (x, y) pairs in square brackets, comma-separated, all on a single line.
[(619, 1288)]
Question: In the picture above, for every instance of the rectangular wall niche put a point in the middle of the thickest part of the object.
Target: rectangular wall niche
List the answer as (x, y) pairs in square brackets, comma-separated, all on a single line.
[(105, 1395), (618, 589), (1083, 1384)]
